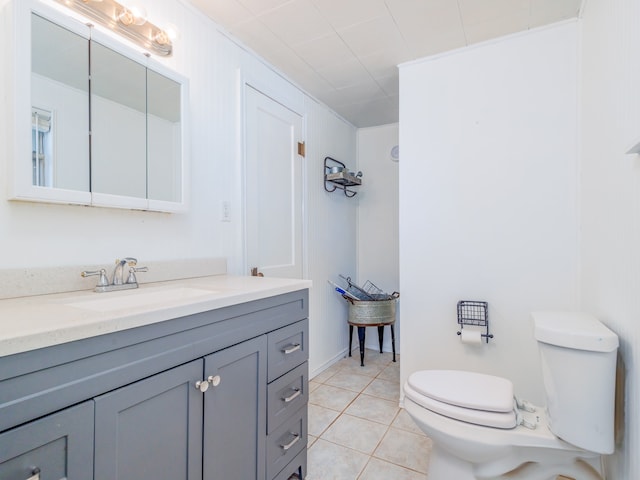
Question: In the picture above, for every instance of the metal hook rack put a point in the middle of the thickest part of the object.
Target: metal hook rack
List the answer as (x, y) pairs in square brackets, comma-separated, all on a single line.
[(337, 175), (474, 313)]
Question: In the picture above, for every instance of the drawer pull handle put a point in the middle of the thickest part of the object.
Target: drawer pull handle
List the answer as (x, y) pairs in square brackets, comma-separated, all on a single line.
[(296, 393), (292, 348), (296, 437)]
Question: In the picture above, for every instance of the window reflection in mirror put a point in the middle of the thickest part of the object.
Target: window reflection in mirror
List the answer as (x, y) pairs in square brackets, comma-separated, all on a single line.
[(59, 96), (164, 138), (41, 147), (118, 124)]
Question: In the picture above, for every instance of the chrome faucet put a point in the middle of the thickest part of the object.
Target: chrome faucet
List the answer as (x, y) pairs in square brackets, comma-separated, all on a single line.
[(118, 272), (118, 279)]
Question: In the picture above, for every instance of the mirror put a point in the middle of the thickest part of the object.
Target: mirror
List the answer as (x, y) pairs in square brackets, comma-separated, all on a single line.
[(60, 102), (164, 138), (106, 123), (118, 124)]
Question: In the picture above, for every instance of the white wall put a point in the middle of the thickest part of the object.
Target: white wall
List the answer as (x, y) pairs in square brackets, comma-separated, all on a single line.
[(610, 195), (488, 199), (332, 226), (41, 235), (378, 220)]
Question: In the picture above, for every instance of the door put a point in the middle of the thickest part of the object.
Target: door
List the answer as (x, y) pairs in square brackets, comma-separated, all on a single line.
[(151, 428), (273, 188), (235, 412)]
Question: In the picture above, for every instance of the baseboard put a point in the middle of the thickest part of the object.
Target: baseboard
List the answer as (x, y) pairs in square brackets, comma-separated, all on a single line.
[(335, 359)]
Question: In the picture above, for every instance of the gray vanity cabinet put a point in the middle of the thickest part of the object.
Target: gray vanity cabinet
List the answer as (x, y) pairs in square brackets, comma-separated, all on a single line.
[(52, 448), (154, 428), (151, 428), (220, 394)]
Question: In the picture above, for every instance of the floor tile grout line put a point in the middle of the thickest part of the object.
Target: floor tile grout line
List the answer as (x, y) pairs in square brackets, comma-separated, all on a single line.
[(360, 451), (372, 455), (358, 395), (379, 442)]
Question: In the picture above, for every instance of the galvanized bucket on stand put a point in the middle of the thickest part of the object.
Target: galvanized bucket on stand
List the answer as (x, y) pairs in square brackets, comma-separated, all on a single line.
[(373, 312)]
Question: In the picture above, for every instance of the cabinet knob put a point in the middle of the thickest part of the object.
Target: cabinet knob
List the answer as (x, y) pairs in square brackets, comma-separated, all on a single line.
[(214, 380), (202, 385)]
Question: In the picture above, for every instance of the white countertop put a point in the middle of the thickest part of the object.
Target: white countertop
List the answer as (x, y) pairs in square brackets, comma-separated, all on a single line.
[(40, 321)]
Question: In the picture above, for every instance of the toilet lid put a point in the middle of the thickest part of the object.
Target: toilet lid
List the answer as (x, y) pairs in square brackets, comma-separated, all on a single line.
[(502, 420), (465, 389), (470, 397)]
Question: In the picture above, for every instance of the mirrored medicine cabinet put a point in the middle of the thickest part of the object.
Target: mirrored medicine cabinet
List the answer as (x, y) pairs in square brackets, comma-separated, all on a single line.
[(105, 125)]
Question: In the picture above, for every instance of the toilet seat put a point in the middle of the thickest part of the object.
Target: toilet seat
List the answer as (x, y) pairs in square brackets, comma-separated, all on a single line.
[(470, 397)]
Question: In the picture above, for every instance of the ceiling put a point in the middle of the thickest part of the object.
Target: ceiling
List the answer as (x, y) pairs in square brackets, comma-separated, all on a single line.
[(345, 52)]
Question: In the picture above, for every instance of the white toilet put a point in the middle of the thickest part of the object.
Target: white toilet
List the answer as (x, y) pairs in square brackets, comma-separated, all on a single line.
[(480, 431)]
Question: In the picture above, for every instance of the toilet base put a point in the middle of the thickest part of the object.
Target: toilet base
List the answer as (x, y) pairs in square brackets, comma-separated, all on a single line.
[(488, 455), (444, 466)]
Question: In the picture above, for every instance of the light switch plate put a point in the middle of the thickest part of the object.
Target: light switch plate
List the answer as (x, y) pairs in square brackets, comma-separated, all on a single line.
[(225, 211)]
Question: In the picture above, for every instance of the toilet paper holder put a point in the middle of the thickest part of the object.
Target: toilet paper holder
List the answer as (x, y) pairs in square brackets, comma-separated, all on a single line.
[(472, 312)]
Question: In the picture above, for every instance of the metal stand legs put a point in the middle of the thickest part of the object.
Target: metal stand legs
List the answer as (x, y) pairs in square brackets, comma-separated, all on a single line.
[(361, 340), (361, 333), (393, 343)]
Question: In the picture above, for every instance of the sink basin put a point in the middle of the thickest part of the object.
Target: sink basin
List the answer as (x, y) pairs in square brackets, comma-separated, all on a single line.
[(113, 301)]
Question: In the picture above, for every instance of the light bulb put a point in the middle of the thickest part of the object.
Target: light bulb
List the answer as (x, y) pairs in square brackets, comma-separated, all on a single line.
[(132, 16), (162, 38), (139, 15), (172, 31), (166, 36), (125, 17)]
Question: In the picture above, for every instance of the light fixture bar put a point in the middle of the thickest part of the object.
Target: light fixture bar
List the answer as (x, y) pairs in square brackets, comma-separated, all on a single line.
[(123, 20)]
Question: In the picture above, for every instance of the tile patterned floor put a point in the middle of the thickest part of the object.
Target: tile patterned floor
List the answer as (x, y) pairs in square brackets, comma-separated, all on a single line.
[(356, 429)]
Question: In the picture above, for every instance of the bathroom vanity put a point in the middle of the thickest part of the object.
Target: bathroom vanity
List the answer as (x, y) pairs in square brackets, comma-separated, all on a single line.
[(195, 379)]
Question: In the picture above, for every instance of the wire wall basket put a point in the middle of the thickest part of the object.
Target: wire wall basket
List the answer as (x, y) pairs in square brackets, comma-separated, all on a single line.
[(471, 312)]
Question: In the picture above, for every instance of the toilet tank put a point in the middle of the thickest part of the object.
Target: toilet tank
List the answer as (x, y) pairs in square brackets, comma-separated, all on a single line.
[(578, 355)]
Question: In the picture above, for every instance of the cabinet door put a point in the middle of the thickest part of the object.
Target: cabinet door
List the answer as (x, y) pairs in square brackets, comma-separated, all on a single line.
[(57, 446), (151, 428), (235, 412)]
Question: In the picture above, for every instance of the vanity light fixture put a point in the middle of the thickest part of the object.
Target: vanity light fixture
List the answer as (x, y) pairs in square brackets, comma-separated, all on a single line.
[(130, 22)]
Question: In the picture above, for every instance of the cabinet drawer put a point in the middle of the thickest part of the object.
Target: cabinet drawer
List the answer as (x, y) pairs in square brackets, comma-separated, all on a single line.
[(297, 468), (286, 442), (57, 446), (286, 395), (288, 348)]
